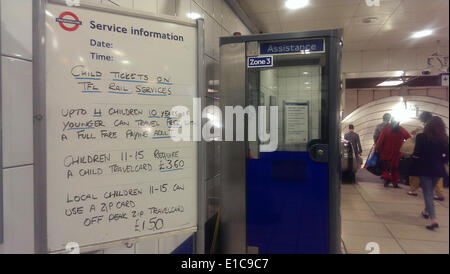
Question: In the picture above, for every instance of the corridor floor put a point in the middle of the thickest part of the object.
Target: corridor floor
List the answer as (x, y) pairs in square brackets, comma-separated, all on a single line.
[(391, 219)]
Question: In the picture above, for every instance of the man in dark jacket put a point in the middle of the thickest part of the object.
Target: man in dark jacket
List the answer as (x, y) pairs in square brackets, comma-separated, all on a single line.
[(353, 138)]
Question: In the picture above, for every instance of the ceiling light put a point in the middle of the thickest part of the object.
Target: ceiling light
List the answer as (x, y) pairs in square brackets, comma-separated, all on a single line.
[(391, 83), (296, 4), (403, 112), (194, 15), (422, 33)]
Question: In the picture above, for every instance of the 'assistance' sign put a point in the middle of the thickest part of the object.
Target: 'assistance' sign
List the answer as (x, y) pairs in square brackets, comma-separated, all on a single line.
[(293, 47)]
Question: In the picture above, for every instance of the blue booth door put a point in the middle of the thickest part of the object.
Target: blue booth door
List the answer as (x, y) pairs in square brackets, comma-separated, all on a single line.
[(287, 190)]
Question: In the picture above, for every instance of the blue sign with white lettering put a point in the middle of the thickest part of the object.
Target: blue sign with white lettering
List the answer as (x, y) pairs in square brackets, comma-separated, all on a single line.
[(293, 47), (260, 62)]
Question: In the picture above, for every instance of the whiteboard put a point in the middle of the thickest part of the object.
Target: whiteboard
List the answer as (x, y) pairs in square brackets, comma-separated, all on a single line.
[(113, 172), (296, 117)]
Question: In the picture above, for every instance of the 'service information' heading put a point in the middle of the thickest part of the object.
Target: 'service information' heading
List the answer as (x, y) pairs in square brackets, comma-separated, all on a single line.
[(135, 31)]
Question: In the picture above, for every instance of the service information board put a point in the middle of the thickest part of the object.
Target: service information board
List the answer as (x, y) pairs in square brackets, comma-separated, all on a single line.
[(113, 171), (296, 123)]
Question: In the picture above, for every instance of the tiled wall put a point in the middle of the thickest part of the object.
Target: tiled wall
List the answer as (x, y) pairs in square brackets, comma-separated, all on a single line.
[(301, 85), (356, 98), (294, 85), (412, 59), (16, 88), (17, 126)]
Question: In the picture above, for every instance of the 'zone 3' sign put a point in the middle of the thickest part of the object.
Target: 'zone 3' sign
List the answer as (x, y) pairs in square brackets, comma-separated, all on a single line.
[(260, 62)]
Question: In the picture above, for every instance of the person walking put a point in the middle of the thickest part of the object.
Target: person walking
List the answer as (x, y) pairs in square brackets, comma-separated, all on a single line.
[(354, 139), (388, 147), (386, 120), (414, 182), (430, 155)]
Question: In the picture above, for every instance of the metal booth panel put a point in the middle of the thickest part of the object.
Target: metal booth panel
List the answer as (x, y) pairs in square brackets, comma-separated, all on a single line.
[(233, 164)]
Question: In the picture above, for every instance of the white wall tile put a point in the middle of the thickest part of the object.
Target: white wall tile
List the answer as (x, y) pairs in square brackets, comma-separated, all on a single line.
[(225, 32), (218, 10), (121, 3), (200, 3), (292, 85), (229, 19), (167, 7), (183, 7), (208, 6), (18, 208), (17, 112), (146, 5), (16, 28)]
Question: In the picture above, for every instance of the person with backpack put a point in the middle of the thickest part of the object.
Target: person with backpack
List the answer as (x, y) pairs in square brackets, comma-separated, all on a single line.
[(430, 157)]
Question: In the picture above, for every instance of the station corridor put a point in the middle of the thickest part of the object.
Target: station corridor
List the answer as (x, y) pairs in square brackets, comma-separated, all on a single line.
[(390, 218)]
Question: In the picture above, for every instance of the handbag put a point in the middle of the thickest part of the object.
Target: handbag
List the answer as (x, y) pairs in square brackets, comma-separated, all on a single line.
[(404, 166), (372, 160), (373, 164)]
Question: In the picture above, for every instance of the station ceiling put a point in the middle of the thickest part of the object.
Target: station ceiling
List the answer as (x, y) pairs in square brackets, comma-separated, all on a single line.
[(396, 20)]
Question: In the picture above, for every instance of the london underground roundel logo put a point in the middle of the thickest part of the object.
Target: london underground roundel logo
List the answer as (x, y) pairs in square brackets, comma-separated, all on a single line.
[(69, 21)]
